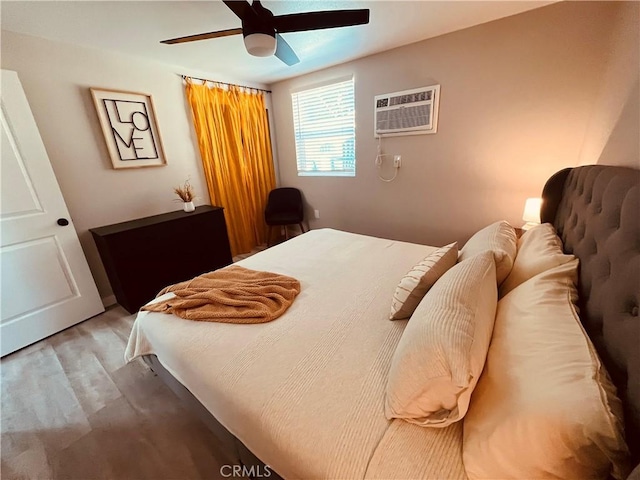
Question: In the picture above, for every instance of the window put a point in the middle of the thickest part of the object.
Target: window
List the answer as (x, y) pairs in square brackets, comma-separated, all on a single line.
[(324, 125)]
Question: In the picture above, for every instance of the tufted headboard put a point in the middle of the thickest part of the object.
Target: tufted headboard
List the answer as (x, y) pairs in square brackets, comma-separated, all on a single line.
[(596, 212)]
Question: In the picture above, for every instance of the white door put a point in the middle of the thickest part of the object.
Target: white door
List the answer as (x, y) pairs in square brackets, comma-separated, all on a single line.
[(46, 285)]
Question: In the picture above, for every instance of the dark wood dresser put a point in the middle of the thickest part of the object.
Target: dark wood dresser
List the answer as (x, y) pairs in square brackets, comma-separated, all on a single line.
[(143, 256)]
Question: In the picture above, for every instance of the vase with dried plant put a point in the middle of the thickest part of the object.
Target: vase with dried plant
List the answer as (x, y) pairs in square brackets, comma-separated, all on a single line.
[(186, 194)]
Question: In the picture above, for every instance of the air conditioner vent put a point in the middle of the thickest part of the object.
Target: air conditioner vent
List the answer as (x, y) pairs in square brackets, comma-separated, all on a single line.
[(411, 112)]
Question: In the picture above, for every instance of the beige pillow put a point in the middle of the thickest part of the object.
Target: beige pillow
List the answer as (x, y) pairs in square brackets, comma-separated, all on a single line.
[(544, 406), (539, 249), (500, 238), (420, 279), (442, 351)]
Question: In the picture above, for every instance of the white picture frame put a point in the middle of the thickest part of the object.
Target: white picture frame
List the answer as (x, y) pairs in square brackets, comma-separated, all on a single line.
[(128, 122)]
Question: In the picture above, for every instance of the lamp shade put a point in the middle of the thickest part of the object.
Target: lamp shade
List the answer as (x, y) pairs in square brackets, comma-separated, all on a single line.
[(532, 210), (260, 44)]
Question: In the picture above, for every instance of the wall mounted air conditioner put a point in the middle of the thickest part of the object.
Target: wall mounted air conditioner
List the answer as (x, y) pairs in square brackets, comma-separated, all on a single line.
[(411, 112)]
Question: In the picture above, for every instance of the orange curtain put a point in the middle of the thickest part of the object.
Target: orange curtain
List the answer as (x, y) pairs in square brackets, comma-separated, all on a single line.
[(233, 137)]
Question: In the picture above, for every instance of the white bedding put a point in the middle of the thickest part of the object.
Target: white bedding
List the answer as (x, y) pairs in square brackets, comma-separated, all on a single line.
[(305, 392)]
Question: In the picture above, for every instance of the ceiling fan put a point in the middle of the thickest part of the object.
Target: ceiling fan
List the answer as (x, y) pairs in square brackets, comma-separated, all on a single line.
[(261, 29)]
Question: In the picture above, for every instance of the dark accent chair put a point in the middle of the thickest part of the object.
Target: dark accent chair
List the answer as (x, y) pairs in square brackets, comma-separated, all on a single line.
[(284, 207)]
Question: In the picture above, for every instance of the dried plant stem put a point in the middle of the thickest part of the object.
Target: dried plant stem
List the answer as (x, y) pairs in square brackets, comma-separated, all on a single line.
[(185, 192)]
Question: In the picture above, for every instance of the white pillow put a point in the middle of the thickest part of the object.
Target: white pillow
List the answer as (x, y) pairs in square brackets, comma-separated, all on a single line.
[(539, 249), (442, 351), (544, 406), (415, 284), (500, 238)]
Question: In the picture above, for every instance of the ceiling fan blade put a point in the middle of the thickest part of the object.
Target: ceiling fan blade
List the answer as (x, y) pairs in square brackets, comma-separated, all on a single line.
[(203, 36), (298, 22), (241, 8), (284, 51)]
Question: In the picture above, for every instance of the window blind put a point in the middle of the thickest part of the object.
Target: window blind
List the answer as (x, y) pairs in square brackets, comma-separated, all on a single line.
[(324, 126)]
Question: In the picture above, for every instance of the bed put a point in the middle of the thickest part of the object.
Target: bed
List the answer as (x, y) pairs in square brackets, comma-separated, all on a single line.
[(304, 394)]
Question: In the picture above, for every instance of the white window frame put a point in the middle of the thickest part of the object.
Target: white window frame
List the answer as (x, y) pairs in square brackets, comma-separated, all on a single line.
[(324, 122)]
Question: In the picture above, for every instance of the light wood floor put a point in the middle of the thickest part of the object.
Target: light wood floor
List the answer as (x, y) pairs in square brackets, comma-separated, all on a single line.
[(72, 409)]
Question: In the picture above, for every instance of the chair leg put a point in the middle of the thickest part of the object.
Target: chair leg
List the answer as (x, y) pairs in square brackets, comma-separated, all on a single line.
[(286, 233), (269, 236), (301, 227)]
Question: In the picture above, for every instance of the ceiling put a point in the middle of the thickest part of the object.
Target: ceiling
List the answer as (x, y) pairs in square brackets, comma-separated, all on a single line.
[(136, 28)]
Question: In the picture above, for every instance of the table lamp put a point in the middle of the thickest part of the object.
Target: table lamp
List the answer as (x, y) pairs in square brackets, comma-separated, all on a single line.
[(531, 213)]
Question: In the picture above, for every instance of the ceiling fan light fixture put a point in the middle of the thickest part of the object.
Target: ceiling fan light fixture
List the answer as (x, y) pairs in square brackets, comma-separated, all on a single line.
[(262, 30), (260, 44)]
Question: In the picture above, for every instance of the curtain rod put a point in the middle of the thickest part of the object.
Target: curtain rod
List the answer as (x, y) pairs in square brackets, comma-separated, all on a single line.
[(184, 77)]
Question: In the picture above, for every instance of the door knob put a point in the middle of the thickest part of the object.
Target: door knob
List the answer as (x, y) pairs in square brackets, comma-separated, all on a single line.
[(63, 222)]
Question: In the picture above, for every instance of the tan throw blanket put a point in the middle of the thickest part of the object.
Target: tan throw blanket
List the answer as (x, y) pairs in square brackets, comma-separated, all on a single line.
[(232, 295)]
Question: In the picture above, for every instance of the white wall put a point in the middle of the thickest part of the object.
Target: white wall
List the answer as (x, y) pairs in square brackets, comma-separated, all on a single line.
[(613, 135), (516, 98), (56, 78)]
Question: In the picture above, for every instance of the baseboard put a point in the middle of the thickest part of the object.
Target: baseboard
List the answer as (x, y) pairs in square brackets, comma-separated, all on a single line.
[(108, 301)]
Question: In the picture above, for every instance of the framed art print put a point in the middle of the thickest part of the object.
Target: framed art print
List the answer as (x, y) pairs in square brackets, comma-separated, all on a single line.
[(129, 126)]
